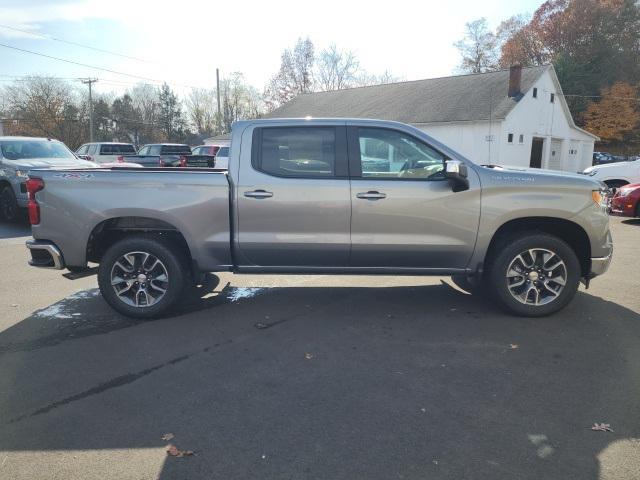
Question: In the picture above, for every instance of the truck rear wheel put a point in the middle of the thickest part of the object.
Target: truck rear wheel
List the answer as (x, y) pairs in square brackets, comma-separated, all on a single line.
[(142, 277), (534, 274)]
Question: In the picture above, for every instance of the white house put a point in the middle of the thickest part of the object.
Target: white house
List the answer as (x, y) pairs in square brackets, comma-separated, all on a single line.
[(510, 117)]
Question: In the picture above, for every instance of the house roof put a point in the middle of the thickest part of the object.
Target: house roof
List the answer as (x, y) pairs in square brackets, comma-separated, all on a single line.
[(460, 98)]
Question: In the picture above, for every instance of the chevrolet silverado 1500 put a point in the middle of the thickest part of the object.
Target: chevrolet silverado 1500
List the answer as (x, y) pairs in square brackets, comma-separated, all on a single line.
[(324, 196)]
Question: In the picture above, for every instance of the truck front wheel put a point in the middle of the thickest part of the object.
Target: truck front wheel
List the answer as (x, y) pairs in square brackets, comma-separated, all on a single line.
[(534, 274), (142, 277)]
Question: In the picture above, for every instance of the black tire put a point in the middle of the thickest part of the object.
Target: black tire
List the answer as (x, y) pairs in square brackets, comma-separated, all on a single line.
[(172, 259), (507, 252), (9, 210)]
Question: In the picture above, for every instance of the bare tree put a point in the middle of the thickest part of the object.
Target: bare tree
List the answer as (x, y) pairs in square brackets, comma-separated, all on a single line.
[(239, 100), (479, 48), (367, 79), (49, 107), (336, 69), (295, 75), (201, 106)]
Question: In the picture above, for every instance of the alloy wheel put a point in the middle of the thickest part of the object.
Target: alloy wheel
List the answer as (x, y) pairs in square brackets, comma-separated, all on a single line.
[(536, 276), (139, 279)]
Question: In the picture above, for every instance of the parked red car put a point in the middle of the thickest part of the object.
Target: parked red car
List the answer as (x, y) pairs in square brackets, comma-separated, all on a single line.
[(626, 201)]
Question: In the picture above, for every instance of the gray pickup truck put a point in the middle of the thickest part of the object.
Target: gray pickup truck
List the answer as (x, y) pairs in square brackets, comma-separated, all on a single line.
[(325, 196)]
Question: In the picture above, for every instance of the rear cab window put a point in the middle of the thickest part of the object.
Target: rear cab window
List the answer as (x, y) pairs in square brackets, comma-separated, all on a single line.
[(299, 152), (176, 150), (117, 149)]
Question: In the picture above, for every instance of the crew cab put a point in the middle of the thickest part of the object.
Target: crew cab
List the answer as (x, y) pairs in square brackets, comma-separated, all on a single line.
[(17, 156), (299, 198), (170, 155)]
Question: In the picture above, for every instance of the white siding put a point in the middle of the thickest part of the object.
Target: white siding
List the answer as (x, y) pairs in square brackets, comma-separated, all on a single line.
[(531, 117)]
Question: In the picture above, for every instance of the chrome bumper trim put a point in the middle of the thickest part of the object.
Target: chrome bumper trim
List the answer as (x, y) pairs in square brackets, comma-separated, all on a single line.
[(600, 265), (56, 255)]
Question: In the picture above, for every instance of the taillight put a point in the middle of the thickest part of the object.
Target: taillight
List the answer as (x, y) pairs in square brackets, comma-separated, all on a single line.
[(120, 159), (34, 185), (183, 161)]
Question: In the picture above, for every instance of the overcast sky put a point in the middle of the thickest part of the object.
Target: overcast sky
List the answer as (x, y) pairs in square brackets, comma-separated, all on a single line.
[(182, 42)]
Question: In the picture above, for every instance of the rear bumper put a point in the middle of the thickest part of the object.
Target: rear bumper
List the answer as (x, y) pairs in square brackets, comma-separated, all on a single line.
[(45, 255)]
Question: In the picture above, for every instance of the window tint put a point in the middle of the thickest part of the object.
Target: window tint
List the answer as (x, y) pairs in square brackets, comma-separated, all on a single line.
[(392, 154), (176, 150), (223, 152), (117, 149), (296, 151), (154, 150)]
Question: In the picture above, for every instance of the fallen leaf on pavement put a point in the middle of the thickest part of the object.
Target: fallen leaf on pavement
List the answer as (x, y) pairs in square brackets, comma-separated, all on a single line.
[(602, 427), (167, 436), (173, 451), (308, 356)]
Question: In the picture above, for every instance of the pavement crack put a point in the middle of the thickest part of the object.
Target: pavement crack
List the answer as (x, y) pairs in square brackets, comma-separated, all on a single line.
[(113, 383)]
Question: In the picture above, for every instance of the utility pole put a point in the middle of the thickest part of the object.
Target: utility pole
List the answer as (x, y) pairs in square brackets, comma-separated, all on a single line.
[(219, 122), (90, 81)]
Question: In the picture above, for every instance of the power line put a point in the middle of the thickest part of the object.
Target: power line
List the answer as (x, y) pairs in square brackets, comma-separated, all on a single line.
[(23, 50), (49, 37)]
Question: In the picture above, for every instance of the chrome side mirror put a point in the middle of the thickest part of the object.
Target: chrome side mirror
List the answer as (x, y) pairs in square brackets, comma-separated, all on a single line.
[(456, 172)]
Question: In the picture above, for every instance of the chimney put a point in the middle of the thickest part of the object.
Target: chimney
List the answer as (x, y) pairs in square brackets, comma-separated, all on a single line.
[(515, 80)]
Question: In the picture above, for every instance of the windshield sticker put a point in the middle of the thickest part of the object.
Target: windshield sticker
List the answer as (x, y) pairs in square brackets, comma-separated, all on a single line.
[(74, 176)]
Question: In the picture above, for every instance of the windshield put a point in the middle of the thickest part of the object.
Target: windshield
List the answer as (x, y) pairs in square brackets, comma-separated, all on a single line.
[(23, 149)]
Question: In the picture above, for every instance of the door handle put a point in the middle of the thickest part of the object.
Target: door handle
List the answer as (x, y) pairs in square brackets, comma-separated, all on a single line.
[(371, 195), (258, 194)]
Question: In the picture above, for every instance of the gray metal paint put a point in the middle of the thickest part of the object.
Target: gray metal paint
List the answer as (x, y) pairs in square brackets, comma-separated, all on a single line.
[(421, 227)]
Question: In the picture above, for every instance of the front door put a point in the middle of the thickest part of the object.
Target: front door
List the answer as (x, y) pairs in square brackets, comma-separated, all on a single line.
[(536, 153), (293, 198), (404, 212)]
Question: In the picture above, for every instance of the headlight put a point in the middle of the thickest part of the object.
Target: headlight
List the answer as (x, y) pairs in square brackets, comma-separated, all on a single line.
[(22, 174), (600, 198), (623, 192)]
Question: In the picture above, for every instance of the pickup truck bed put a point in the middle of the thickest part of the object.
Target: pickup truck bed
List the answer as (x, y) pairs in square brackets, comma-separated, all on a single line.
[(300, 197)]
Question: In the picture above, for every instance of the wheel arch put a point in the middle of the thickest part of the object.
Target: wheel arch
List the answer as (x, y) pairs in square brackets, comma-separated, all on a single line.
[(570, 232), (111, 230)]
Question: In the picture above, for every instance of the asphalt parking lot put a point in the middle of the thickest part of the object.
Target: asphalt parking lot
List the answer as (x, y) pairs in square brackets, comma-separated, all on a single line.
[(322, 377)]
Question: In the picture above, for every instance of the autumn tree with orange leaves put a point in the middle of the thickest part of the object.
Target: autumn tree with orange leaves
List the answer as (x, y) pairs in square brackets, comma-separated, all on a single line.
[(616, 117)]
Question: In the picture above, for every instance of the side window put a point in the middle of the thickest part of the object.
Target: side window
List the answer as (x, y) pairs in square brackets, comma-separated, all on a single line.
[(144, 151), (154, 150), (296, 151), (93, 148), (196, 151), (390, 154), (82, 150)]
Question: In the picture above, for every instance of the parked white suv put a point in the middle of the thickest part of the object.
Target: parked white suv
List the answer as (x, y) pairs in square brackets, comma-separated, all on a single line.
[(617, 174), (106, 152)]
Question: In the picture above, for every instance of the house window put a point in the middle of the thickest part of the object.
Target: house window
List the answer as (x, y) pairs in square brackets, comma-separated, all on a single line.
[(553, 97), (510, 138), (521, 138), (535, 93)]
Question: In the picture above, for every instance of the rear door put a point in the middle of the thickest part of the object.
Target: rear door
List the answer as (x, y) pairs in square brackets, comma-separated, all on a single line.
[(404, 212), (293, 200)]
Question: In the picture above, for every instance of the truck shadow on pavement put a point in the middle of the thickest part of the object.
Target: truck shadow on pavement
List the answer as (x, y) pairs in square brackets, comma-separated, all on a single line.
[(326, 382)]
